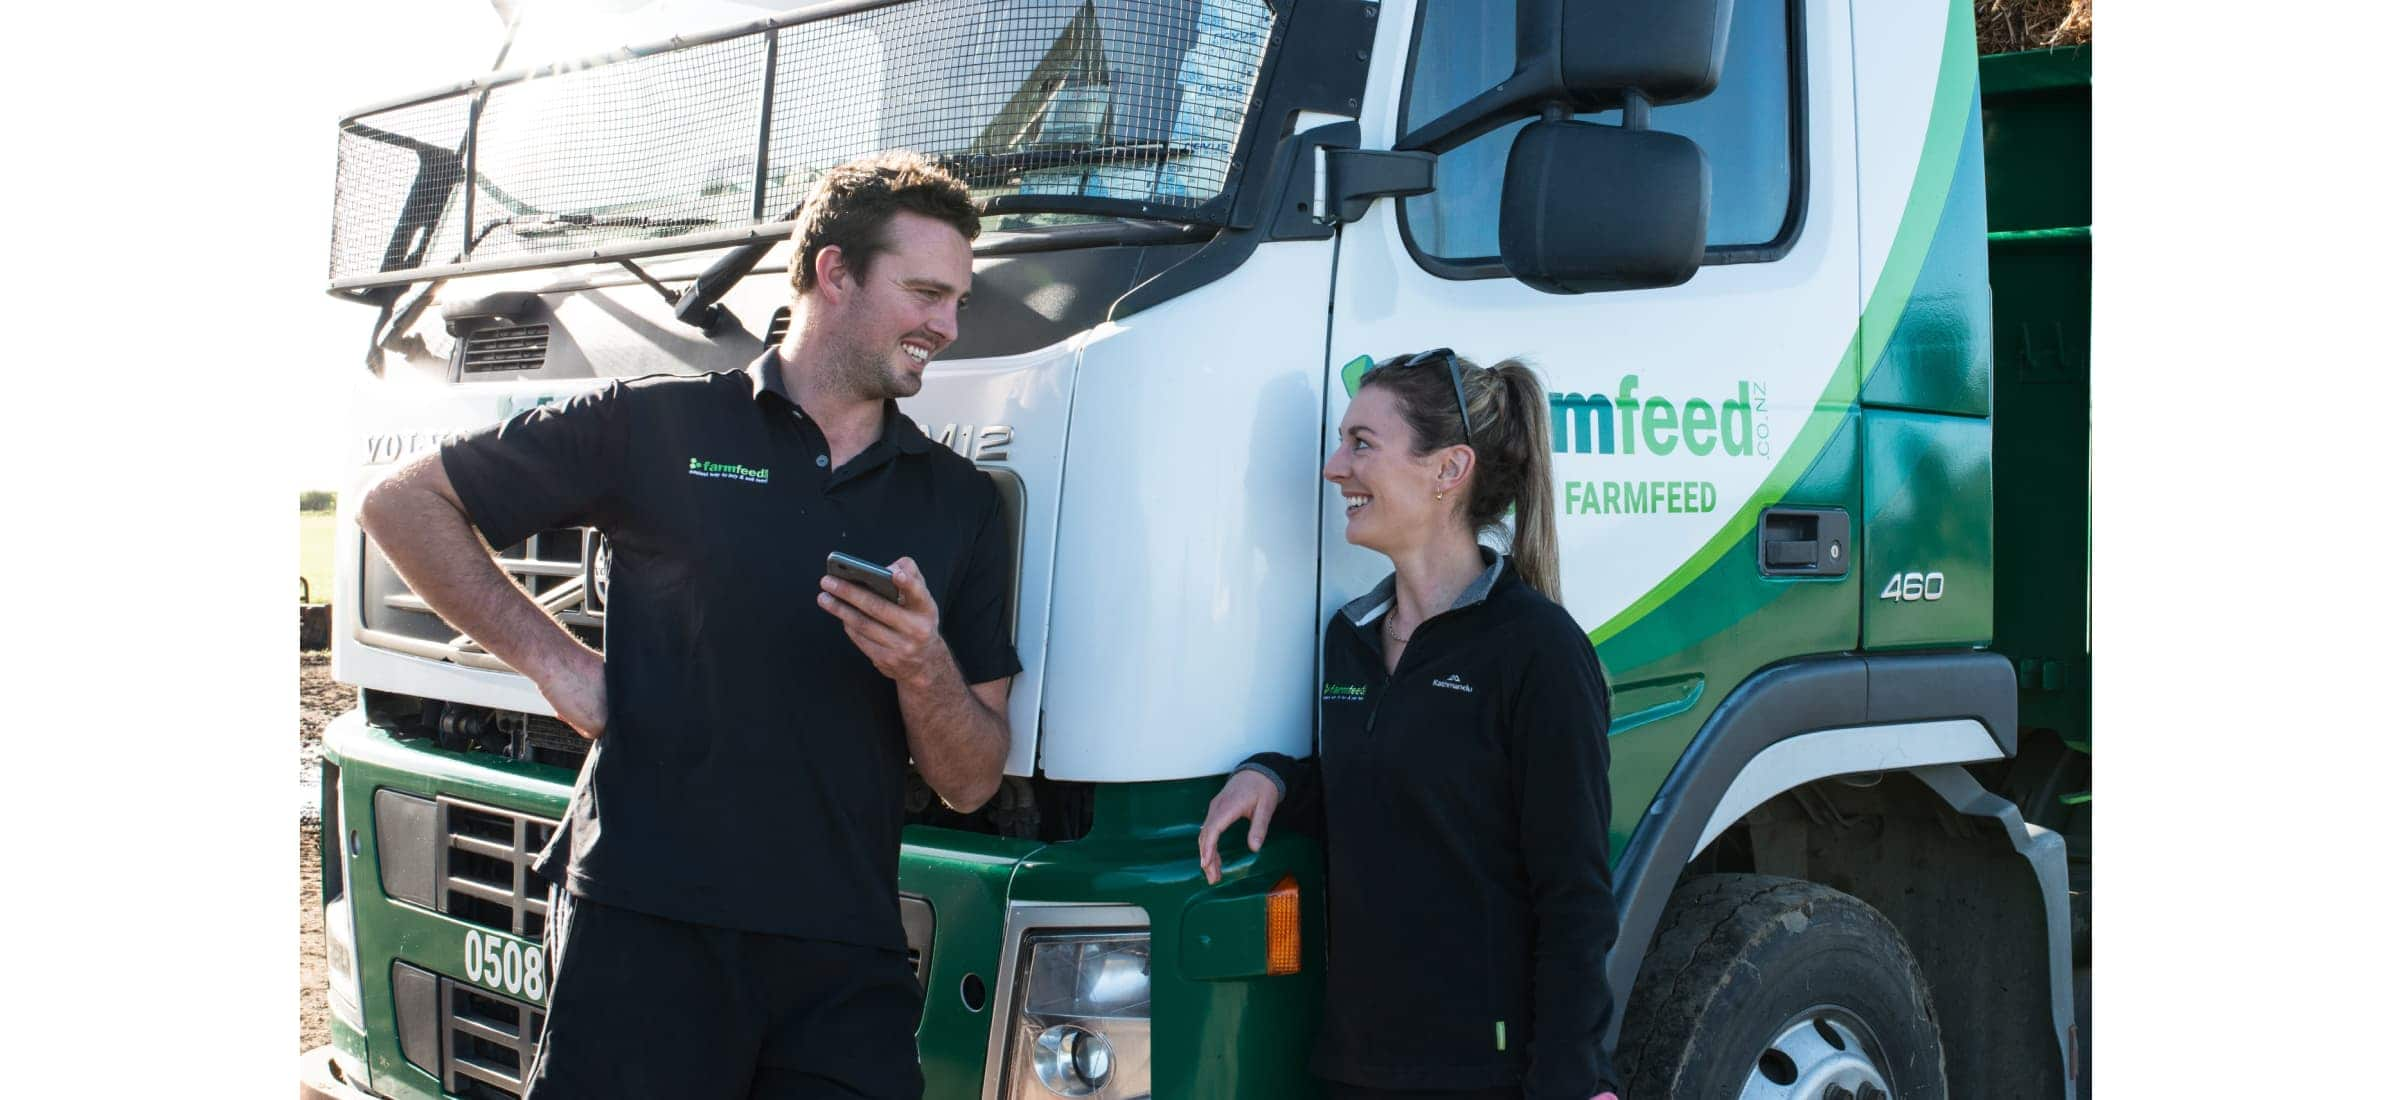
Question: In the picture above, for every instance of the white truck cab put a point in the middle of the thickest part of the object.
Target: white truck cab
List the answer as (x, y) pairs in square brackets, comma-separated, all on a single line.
[(1743, 243)]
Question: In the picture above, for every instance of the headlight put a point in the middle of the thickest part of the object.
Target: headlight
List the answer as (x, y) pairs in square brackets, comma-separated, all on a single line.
[(340, 966), (342, 996), (1082, 1021)]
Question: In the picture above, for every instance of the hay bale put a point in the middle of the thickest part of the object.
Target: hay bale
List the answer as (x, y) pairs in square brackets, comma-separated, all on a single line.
[(2006, 26)]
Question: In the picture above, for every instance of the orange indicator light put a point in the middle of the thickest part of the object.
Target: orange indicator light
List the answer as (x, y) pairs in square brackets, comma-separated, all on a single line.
[(1286, 940)]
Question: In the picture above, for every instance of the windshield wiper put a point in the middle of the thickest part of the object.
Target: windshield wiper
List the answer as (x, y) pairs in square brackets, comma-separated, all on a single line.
[(549, 225), (996, 169)]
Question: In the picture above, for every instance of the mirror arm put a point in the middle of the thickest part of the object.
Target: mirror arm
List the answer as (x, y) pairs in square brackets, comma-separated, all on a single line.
[(1499, 106), (1354, 178), (1636, 112), (1489, 110)]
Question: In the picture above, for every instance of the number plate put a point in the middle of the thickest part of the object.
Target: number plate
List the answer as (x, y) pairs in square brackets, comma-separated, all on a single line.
[(503, 964)]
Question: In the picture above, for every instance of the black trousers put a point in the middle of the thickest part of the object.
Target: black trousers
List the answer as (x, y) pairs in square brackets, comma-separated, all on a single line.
[(641, 1006)]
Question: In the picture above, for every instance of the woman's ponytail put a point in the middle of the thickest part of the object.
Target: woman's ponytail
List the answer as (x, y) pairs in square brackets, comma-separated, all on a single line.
[(1521, 441)]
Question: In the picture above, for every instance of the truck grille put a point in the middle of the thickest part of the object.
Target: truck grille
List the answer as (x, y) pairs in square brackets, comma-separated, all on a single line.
[(486, 1042), (564, 570), (485, 871), (504, 348)]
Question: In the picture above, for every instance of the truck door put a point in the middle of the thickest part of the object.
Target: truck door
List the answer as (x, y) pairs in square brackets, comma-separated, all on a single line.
[(1681, 416)]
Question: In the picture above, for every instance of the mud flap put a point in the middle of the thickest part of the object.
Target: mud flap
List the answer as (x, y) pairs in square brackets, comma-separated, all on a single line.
[(2047, 854)]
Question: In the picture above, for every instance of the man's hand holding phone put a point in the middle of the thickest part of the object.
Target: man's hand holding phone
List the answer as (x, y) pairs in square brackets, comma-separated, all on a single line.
[(900, 636)]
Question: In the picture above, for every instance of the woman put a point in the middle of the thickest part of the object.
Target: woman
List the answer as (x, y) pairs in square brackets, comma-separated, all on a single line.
[(1459, 783)]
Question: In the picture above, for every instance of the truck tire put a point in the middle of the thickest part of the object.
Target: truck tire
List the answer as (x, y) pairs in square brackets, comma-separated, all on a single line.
[(1758, 986)]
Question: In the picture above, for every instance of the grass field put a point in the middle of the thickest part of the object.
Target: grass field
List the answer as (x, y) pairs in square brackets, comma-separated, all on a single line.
[(315, 553)]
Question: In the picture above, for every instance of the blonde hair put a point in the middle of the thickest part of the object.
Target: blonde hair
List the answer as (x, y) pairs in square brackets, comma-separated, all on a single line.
[(1510, 430)]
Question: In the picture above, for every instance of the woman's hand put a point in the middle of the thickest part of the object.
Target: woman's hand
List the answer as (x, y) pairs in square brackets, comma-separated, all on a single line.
[(1248, 794)]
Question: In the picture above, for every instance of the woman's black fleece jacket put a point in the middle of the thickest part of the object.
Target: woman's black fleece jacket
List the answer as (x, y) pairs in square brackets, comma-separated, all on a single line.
[(1464, 805)]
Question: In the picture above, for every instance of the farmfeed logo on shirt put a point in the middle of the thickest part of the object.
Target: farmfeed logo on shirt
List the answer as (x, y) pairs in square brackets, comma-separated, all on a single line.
[(1352, 693), (699, 467)]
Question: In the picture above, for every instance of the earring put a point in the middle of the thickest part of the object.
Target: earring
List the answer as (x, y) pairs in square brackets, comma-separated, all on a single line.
[(1440, 496)]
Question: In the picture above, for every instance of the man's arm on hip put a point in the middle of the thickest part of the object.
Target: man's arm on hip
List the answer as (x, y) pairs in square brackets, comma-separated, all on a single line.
[(417, 519)]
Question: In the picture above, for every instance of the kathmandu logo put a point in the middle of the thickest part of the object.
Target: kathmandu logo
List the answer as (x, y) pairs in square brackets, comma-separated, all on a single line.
[(1605, 424), (1453, 683), (1350, 692), (699, 467)]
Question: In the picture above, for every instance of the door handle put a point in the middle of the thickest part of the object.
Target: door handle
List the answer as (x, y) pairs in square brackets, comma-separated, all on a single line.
[(1805, 542)]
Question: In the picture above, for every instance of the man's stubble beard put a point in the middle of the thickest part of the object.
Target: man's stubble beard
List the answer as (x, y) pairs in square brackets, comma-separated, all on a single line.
[(868, 376)]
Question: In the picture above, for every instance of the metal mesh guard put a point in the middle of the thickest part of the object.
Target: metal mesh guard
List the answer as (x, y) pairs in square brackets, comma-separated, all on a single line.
[(705, 139)]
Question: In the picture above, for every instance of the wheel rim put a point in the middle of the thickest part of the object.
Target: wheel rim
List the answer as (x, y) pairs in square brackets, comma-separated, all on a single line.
[(1823, 1053)]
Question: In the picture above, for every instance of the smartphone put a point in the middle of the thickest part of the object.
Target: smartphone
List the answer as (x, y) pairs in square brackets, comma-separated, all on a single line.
[(858, 571)]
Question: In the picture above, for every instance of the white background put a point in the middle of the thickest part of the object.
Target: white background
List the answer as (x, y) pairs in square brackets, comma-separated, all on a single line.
[(168, 183)]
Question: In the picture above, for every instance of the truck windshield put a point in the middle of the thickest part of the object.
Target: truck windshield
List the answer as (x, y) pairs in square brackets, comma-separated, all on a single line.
[(1119, 107)]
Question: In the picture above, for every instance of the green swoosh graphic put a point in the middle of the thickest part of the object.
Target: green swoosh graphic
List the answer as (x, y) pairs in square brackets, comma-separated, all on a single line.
[(1352, 372), (1939, 158)]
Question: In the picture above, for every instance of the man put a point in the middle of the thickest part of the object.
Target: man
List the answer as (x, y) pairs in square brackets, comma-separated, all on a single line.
[(725, 923)]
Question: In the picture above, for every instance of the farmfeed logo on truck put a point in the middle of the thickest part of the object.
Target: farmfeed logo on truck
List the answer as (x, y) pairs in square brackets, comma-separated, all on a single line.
[(1624, 423)]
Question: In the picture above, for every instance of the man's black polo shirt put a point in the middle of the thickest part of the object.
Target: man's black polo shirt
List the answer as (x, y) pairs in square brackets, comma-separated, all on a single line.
[(752, 772)]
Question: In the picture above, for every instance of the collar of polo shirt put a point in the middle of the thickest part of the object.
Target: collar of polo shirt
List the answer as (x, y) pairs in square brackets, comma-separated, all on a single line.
[(896, 428)]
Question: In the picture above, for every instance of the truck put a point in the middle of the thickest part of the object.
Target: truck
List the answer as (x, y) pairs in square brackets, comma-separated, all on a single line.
[(1807, 281)]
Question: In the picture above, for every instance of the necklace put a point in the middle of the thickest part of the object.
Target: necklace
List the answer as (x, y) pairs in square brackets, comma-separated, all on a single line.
[(1387, 627)]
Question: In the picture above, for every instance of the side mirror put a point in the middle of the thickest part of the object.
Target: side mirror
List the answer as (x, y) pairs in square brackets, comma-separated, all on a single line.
[(1671, 51), (1588, 207), (1594, 55)]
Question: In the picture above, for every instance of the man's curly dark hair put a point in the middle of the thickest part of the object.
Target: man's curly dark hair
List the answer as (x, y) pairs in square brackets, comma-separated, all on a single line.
[(852, 203)]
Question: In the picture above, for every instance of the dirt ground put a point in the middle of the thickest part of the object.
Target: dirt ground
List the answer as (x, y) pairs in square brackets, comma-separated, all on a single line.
[(320, 701)]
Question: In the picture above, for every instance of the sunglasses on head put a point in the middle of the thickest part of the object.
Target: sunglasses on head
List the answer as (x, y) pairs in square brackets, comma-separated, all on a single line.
[(1453, 371)]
